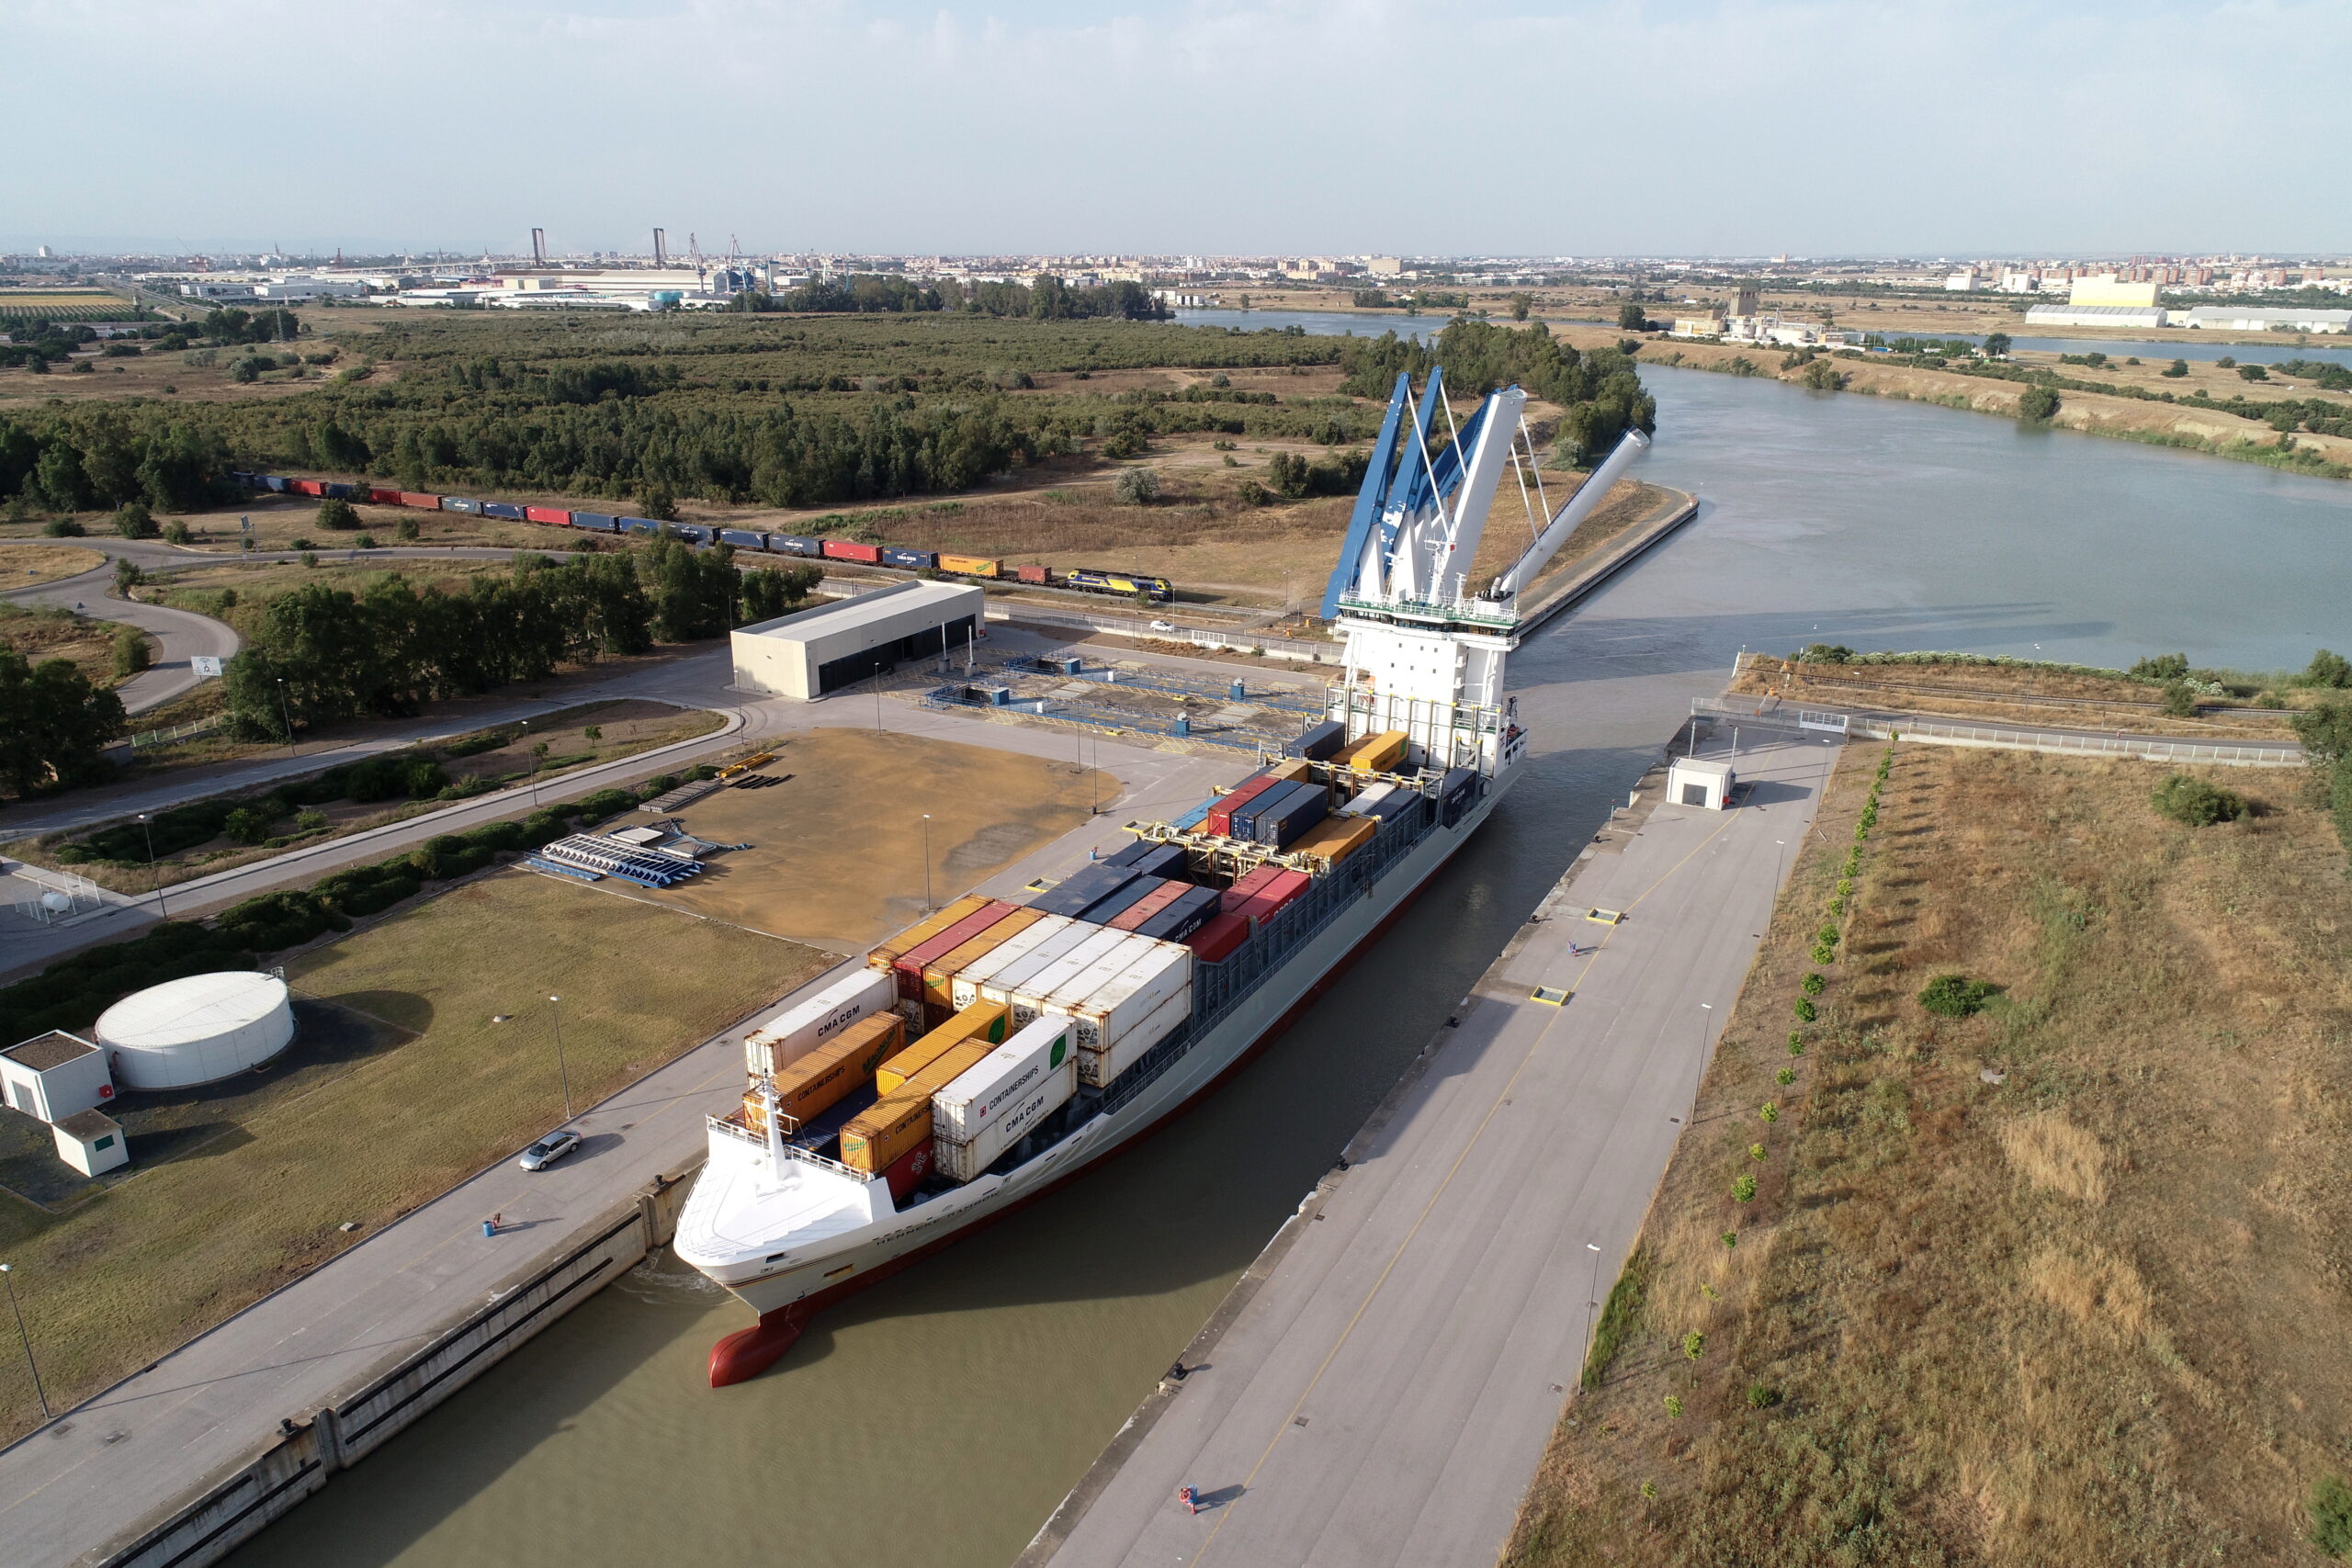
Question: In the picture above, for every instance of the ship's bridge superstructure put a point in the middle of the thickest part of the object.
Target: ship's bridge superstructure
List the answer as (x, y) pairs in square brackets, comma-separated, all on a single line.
[(1426, 650)]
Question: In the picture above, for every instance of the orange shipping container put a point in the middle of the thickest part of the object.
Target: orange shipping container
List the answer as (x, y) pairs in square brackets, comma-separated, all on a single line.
[(914, 936), (1374, 753), (939, 975), (1336, 838), (1296, 770), (818, 1080), (900, 1120), (981, 1020), (970, 566)]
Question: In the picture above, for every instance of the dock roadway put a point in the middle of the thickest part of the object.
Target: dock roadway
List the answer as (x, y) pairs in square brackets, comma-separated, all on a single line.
[(1386, 1386)]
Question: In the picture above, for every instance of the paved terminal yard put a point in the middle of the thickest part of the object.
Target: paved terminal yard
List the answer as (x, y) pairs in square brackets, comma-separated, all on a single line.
[(1381, 1384)]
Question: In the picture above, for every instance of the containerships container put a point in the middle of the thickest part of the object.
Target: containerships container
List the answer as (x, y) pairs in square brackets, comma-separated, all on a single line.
[(785, 1036), (1106, 1008), (893, 1126), (1184, 915), (1097, 1068), (983, 1021), (1151, 904), (1067, 974), (814, 1083), (939, 973), (965, 989), (1001, 985), (1319, 741), (996, 1104)]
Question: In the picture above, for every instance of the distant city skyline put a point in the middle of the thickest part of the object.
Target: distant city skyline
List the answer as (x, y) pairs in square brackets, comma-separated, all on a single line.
[(1328, 127)]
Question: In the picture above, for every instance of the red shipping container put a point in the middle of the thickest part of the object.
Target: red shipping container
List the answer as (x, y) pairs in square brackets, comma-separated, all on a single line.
[(1151, 904), (1246, 887), (306, 487), (912, 963), (906, 1172), (1030, 573), (1220, 817), (417, 499), (1218, 938), (844, 549), (555, 514), (1286, 886), (385, 497)]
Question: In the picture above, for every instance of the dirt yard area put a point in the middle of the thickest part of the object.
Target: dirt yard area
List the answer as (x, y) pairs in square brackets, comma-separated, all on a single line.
[(2058, 1280), (837, 850), (236, 1188), (29, 565)]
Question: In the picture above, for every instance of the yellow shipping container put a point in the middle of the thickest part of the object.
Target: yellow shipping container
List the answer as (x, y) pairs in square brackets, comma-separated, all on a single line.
[(970, 566), (879, 1134), (1298, 770), (1335, 839), (939, 978), (914, 936), (982, 1021), (1375, 753), (818, 1080)]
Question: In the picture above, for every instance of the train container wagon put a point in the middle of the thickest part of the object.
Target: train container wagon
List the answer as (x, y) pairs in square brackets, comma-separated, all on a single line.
[(273, 482), (971, 565), (306, 487), (505, 509), (420, 499), (849, 549), (795, 545), (343, 492), (1030, 574), (461, 503), (385, 497), (743, 538), (909, 560), (638, 526), (555, 514), (693, 533), (240, 477), (600, 522)]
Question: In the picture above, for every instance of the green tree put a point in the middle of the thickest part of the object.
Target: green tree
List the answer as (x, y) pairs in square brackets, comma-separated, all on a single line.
[(659, 505), (1630, 319), (130, 653), (1997, 345), (2252, 373), (2198, 804), (339, 515), (2331, 1514), (2178, 371), (1137, 487), (54, 725), (2331, 669), (133, 521), (1521, 305), (2037, 405)]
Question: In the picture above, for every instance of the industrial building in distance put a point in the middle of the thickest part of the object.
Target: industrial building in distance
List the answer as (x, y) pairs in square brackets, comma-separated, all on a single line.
[(812, 652)]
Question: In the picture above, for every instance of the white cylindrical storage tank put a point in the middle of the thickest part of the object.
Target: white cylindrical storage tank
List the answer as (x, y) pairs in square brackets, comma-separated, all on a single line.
[(196, 1030)]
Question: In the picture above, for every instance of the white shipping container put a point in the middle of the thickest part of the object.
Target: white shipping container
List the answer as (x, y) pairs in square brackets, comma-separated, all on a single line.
[(785, 1036), (1105, 968), (1099, 1067), (964, 1161), (999, 986), (982, 1092), (1025, 998), (1365, 801), (965, 988), (1127, 998)]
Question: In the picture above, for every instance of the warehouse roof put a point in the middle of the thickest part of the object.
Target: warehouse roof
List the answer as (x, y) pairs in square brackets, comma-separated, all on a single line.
[(846, 615)]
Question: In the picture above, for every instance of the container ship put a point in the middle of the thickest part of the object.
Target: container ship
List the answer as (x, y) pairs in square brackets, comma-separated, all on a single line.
[(996, 1049)]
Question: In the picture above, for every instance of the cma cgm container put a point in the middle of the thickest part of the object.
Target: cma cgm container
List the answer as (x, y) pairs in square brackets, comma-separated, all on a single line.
[(784, 1037), (850, 550), (459, 503), (909, 560), (970, 566), (560, 516), (892, 1126), (995, 1103), (505, 509), (965, 988), (600, 522), (1011, 977), (420, 500), (818, 1080), (743, 538), (1121, 989)]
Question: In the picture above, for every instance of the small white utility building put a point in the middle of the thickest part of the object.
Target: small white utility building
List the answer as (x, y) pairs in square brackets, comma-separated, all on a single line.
[(90, 1142), (811, 652), (1703, 782), (53, 1076)]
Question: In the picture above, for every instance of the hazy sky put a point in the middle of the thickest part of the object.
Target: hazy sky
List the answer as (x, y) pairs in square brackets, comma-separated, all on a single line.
[(1331, 126)]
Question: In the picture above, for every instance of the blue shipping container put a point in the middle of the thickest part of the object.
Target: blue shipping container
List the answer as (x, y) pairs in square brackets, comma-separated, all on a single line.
[(1319, 742), (910, 560), (1188, 914), (1245, 815), (602, 522), (507, 509), (1102, 911), (341, 492), (458, 503), (274, 482), (793, 544), (1290, 815), (638, 525), (1091, 886), (743, 538), (1192, 819)]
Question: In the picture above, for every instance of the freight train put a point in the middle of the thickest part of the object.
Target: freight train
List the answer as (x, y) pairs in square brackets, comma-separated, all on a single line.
[(1088, 579)]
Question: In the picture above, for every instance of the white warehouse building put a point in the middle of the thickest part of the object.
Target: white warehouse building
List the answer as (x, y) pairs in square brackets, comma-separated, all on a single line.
[(811, 652)]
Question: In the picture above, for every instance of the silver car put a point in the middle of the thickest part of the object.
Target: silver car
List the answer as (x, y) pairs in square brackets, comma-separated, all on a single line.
[(549, 1150)]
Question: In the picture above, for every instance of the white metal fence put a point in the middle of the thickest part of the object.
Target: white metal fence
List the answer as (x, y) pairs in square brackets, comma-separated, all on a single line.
[(2017, 738)]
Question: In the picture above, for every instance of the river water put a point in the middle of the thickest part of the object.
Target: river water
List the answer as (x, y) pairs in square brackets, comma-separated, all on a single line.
[(936, 1420)]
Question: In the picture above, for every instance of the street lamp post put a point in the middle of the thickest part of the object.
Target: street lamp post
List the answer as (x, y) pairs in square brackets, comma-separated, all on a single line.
[(1592, 1302), (7, 1276), (149, 828), (1699, 1077), (286, 714), (927, 905), (556, 1014)]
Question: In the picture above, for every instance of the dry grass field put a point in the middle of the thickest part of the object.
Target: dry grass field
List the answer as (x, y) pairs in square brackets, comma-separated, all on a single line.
[(2058, 1283), (837, 853), (41, 633), (2025, 695), (139, 1265), (29, 565)]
